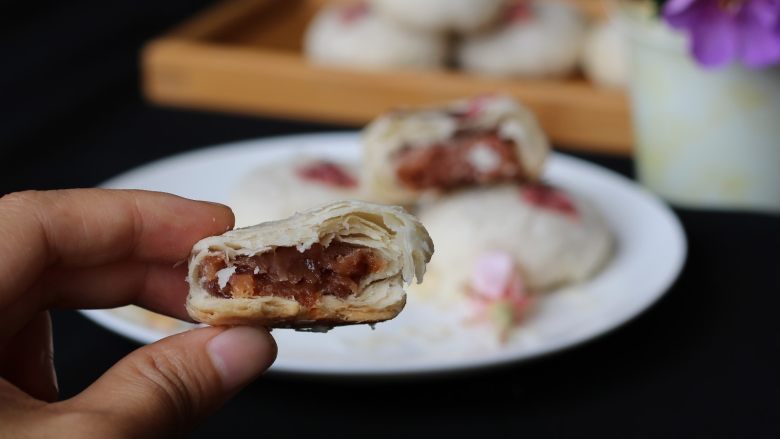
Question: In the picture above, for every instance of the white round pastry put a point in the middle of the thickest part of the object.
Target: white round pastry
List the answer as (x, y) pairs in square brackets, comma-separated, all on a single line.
[(354, 36), (277, 190), (553, 237), (414, 153), (441, 15), (605, 58), (539, 38)]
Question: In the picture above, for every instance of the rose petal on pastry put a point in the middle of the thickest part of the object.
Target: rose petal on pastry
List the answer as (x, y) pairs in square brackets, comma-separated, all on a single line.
[(548, 197), (328, 173), (498, 292), (492, 275)]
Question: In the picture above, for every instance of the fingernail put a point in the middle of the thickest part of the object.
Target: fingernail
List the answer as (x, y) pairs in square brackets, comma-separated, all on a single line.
[(240, 354)]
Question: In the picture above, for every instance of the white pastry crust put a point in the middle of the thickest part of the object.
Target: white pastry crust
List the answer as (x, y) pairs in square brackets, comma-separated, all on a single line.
[(605, 56), (389, 133), (277, 189), (402, 242), (547, 44), (550, 248), (370, 42), (442, 15)]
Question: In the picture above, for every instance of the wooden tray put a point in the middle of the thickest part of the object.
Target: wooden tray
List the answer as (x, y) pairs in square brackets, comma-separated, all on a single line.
[(245, 56)]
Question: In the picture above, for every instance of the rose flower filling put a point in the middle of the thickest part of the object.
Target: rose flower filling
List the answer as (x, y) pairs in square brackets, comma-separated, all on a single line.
[(470, 157), (336, 270)]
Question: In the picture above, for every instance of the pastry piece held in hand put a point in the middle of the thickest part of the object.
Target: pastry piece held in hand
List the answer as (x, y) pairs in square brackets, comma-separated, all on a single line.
[(339, 264), (482, 141)]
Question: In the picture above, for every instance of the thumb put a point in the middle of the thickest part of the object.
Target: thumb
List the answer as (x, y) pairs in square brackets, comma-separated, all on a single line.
[(166, 387)]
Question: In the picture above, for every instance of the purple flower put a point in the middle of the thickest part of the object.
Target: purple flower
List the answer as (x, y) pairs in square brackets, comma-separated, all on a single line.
[(724, 30)]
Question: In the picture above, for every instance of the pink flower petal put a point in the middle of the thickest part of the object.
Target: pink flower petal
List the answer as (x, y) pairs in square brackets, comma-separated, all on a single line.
[(492, 273), (521, 306), (515, 289), (498, 292)]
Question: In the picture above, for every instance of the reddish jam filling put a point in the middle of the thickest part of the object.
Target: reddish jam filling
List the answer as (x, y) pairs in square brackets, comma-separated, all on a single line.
[(327, 173), (548, 197), (518, 11), (352, 13), (285, 272), (470, 157)]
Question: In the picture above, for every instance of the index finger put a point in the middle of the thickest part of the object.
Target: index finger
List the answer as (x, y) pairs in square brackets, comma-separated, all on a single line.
[(94, 227)]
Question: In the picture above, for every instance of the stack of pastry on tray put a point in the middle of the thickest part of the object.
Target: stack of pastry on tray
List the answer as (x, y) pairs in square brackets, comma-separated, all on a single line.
[(504, 38)]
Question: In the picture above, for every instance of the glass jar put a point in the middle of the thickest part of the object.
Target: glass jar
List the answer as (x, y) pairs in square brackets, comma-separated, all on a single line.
[(703, 137)]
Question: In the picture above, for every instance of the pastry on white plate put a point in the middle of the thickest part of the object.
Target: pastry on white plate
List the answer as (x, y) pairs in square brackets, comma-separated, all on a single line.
[(277, 190), (354, 36), (339, 264), (410, 153), (537, 38), (553, 237)]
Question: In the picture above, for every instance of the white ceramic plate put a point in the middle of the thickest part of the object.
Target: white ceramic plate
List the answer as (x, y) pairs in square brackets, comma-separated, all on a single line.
[(650, 253)]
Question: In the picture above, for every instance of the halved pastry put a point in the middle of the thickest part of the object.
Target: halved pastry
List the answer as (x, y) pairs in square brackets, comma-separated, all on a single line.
[(339, 264), (485, 140)]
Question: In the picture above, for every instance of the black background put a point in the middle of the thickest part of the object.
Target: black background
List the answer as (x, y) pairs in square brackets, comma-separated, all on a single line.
[(704, 361)]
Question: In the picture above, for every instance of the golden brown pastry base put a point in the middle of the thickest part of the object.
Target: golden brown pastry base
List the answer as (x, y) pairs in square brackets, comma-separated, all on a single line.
[(283, 313)]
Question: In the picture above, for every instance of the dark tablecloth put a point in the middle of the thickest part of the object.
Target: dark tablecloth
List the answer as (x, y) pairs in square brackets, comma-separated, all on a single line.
[(705, 360)]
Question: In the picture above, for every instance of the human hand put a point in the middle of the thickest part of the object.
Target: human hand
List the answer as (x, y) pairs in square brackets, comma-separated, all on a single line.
[(92, 248)]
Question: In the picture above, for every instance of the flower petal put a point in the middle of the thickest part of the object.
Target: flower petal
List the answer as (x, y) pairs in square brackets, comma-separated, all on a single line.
[(716, 37), (673, 7), (515, 289), (521, 307), (492, 274), (684, 14), (760, 46), (759, 27), (761, 13)]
